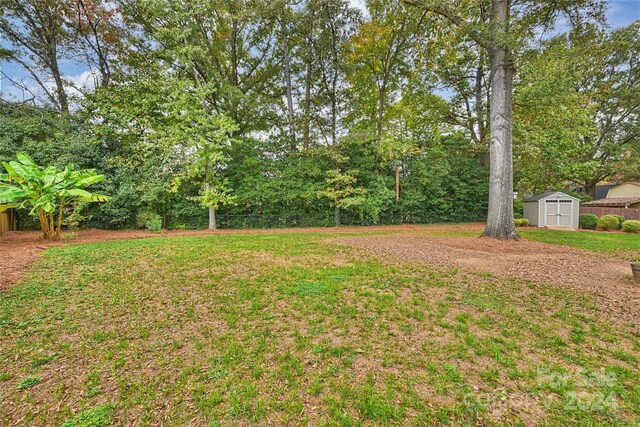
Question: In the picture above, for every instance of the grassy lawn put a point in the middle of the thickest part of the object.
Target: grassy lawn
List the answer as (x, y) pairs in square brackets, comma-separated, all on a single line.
[(284, 329), (623, 245)]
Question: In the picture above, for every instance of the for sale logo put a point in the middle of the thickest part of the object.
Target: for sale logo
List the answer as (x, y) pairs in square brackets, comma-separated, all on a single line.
[(584, 390)]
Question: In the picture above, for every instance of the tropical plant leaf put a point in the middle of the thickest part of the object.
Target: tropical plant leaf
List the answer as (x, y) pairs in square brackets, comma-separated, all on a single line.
[(49, 175), (10, 194), (77, 192), (25, 159), (89, 180)]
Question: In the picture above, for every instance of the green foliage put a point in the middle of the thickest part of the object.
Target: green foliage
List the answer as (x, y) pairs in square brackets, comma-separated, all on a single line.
[(28, 382), (78, 216), (99, 416), (608, 222), (575, 109), (521, 222), (154, 224), (631, 226), (588, 221), (46, 191), (621, 220), (583, 197)]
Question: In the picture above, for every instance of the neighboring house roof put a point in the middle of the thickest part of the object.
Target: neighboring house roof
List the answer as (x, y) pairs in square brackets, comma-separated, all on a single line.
[(614, 201), (603, 190), (547, 194)]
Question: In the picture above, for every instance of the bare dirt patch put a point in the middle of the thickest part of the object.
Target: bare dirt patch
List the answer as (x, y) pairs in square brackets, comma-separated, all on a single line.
[(607, 279)]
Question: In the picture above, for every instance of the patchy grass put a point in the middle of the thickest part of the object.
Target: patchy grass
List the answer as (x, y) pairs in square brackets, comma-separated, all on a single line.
[(621, 245), (285, 329)]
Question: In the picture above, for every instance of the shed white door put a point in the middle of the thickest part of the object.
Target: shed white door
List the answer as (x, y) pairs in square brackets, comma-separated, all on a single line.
[(558, 212)]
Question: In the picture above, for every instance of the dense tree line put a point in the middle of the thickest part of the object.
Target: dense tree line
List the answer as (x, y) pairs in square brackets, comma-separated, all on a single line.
[(277, 113)]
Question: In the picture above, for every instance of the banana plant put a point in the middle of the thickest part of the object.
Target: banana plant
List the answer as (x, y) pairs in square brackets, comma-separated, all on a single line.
[(46, 191)]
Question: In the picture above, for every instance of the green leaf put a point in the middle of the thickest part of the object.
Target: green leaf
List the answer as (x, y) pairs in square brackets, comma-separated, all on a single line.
[(89, 180), (10, 194), (49, 175), (77, 192), (25, 159)]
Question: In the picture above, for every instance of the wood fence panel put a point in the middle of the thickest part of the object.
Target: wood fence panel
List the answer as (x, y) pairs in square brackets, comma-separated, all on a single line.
[(599, 211), (5, 222)]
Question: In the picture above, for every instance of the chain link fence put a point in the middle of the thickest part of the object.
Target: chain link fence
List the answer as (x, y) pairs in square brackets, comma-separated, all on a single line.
[(292, 221)]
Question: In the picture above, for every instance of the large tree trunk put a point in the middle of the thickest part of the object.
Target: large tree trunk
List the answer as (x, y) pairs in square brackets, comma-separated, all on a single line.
[(307, 83), (212, 219), (500, 223), (63, 100), (382, 98), (336, 216), (307, 103), (287, 77), (590, 187), (397, 184), (479, 107)]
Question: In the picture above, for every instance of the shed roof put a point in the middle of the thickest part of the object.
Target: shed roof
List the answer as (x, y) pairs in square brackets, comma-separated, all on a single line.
[(547, 194)]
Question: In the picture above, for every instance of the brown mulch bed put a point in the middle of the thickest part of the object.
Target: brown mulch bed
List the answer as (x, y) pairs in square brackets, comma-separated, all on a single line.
[(20, 249), (608, 279)]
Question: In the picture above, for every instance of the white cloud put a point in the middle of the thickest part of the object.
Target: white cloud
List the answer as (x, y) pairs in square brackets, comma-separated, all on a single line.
[(24, 88), (359, 4), (86, 80)]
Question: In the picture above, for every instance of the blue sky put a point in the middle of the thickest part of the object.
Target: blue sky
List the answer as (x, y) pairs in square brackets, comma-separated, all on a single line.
[(620, 13), (623, 12)]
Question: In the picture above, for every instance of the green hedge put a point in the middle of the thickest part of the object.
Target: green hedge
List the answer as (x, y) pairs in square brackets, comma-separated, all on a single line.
[(621, 219), (588, 221), (631, 226), (608, 222)]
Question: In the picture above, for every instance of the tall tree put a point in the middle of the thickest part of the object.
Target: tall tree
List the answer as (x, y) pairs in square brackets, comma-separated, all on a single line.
[(577, 108), (608, 76), (36, 33), (334, 23), (228, 44), (509, 24), (382, 55), (95, 36)]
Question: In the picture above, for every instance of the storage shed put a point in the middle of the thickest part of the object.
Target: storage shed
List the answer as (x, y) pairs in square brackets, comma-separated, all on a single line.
[(552, 209)]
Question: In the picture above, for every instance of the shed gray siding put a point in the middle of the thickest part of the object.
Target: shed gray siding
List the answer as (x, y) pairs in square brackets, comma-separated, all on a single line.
[(530, 211)]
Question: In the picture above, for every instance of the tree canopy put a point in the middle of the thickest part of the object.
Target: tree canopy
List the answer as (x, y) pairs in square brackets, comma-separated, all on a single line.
[(249, 113)]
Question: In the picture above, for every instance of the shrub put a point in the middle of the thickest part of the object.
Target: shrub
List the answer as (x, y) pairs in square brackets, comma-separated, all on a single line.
[(588, 221), (631, 226), (608, 222), (77, 218), (521, 222), (144, 217), (517, 215), (47, 191), (621, 219), (154, 224)]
